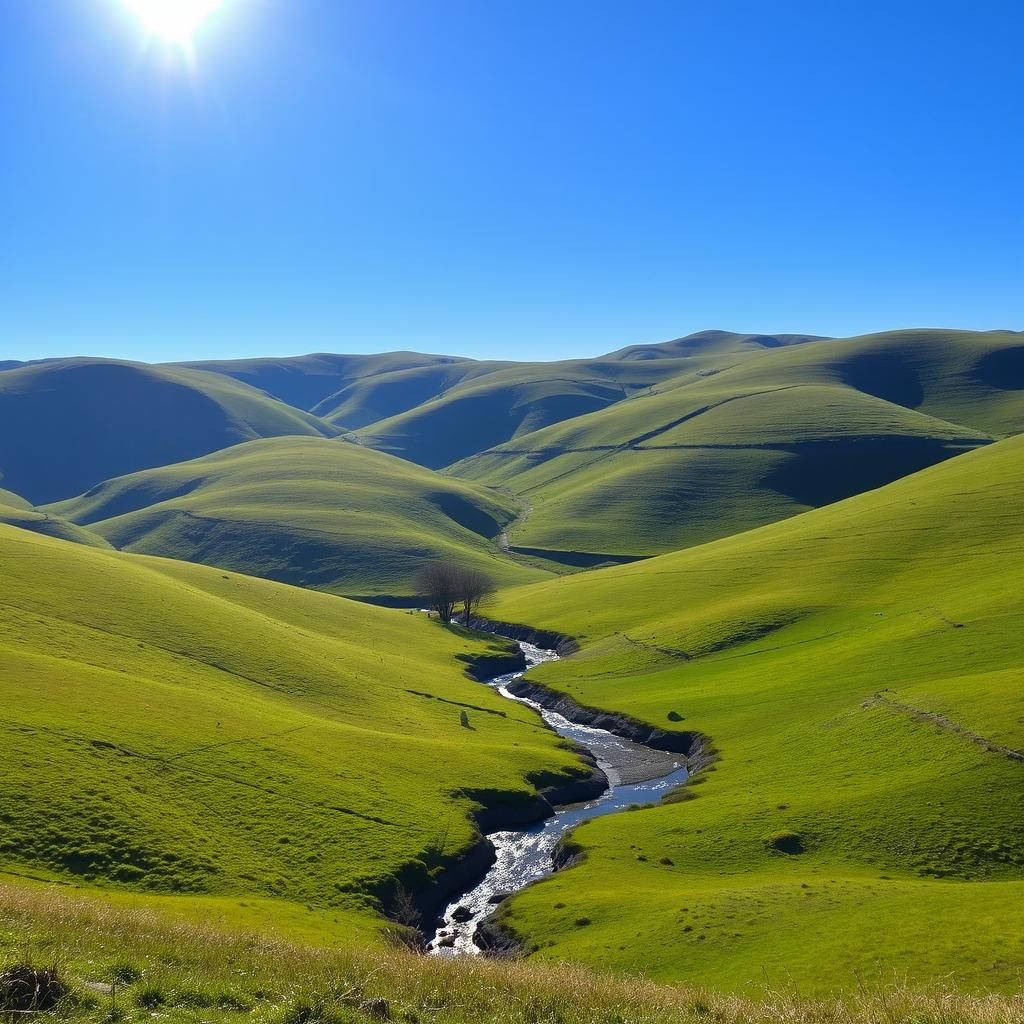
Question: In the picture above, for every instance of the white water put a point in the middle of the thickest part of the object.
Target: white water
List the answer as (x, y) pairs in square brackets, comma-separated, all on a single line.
[(525, 855)]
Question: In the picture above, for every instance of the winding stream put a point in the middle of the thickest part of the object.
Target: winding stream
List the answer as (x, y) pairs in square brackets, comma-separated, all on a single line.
[(636, 774)]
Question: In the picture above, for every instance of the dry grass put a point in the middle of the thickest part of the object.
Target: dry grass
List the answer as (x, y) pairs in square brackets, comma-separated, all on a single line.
[(133, 964)]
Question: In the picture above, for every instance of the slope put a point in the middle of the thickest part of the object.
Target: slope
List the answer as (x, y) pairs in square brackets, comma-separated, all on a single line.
[(481, 411), (384, 395), (859, 671), (712, 341), (176, 730), (308, 511), (306, 381), (67, 424), (698, 458), (27, 518)]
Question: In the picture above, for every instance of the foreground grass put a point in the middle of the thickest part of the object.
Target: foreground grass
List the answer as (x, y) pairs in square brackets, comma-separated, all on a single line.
[(858, 670), (135, 966)]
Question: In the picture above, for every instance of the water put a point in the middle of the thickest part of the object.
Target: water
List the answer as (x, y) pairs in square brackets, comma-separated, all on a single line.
[(637, 774)]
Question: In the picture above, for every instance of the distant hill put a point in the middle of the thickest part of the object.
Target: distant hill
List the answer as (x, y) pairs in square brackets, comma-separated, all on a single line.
[(858, 671), (68, 424), (12, 500), (711, 341), (194, 735), (435, 409), (705, 455), (313, 512), (15, 511), (483, 411), (306, 381), (383, 395)]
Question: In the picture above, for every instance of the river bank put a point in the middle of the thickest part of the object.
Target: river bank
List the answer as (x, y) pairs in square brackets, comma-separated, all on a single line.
[(635, 774)]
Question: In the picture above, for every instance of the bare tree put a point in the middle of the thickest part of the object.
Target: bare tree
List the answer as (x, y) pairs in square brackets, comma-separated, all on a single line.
[(439, 585), (476, 586), (444, 587)]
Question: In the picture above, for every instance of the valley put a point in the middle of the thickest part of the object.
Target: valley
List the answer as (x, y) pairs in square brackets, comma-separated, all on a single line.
[(788, 566)]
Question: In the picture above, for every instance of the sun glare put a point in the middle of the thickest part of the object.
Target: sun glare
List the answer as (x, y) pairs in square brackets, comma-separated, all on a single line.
[(173, 21)]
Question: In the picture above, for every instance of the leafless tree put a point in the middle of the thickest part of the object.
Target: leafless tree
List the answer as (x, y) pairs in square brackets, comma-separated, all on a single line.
[(444, 587), (475, 587), (439, 585)]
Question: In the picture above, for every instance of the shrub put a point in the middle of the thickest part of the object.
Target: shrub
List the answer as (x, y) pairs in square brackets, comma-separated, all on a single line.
[(25, 989)]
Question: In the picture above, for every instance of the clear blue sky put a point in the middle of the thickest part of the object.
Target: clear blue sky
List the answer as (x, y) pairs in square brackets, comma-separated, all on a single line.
[(515, 178)]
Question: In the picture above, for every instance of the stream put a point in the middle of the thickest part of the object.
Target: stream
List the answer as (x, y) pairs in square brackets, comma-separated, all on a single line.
[(636, 774)]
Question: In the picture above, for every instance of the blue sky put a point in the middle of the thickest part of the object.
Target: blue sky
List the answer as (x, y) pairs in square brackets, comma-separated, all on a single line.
[(505, 179)]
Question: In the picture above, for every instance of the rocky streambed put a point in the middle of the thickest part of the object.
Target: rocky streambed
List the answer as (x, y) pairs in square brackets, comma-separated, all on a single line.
[(636, 774)]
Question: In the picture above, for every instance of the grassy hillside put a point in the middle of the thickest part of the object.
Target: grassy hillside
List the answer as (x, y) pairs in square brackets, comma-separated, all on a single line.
[(134, 966), (858, 670), (306, 381), (274, 753), (356, 390), (707, 342), (309, 511), (27, 518), (68, 424), (12, 500), (704, 456), (971, 377), (383, 395), (482, 411)]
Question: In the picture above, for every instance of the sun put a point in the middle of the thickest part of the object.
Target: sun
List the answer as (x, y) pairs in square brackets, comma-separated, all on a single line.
[(173, 21)]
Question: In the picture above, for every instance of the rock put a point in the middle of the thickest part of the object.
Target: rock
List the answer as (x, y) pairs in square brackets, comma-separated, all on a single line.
[(462, 914), (499, 897), (379, 1009), (446, 942)]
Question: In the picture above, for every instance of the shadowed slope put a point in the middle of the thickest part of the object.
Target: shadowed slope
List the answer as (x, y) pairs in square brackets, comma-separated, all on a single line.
[(711, 341), (306, 381), (27, 518), (858, 669), (699, 458), (486, 410), (319, 513), (384, 395), (67, 424), (179, 730)]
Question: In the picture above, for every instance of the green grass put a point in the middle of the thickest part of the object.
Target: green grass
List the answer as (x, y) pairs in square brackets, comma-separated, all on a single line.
[(319, 513), (11, 500), (175, 730), (858, 670), (313, 382), (126, 965), (25, 517), (709, 454), (480, 411), (80, 421)]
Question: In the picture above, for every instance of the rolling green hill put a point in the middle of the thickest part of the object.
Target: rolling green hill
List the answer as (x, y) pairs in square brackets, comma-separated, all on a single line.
[(711, 341), (237, 746), (484, 410), (22, 515), (384, 395), (307, 381), (12, 500), (67, 424), (319, 513), (704, 456), (858, 671)]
